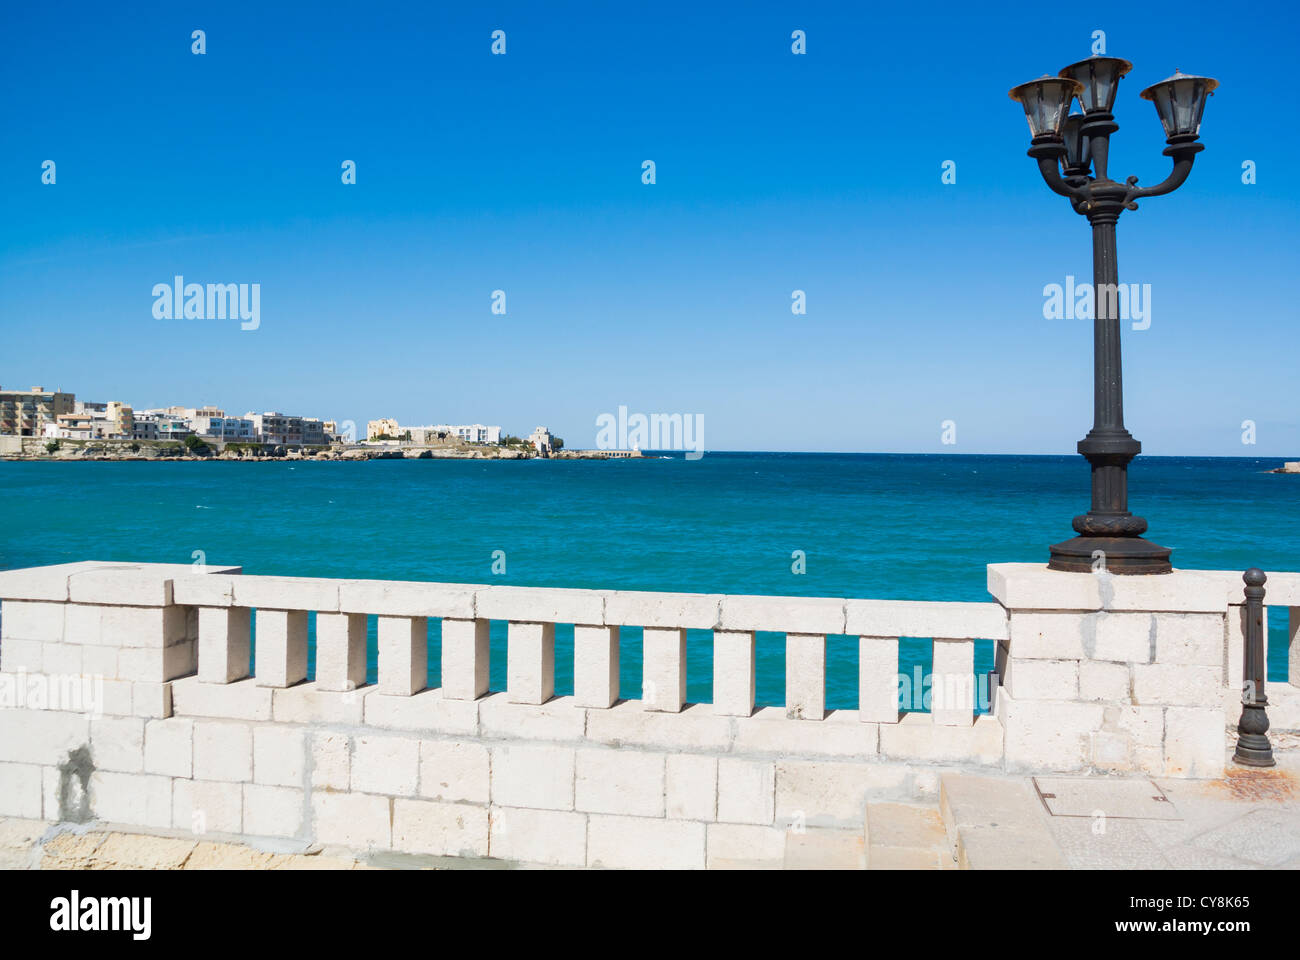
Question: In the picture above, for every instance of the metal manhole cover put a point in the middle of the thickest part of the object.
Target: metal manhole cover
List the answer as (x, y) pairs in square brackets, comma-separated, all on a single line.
[(1114, 799)]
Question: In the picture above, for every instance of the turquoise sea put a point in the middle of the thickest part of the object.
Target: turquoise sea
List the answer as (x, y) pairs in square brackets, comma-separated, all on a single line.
[(869, 525)]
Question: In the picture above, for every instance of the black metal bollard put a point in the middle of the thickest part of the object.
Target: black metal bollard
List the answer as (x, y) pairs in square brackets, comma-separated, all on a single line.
[(1253, 748)]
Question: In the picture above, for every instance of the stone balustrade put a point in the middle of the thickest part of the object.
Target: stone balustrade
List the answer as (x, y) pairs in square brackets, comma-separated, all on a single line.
[(1099, 674)]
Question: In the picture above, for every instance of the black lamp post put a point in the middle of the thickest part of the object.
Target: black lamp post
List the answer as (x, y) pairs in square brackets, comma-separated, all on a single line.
[(1072, 152)]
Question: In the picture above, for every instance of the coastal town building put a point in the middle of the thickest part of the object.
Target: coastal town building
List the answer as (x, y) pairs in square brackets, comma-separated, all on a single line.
[(387, 427), (541, 440), (225, 428), (24, 413)]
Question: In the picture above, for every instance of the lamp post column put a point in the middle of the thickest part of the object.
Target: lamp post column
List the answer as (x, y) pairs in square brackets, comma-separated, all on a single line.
[(1110, 537)]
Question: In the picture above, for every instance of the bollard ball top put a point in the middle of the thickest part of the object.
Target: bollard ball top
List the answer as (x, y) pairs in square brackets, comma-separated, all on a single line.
[(1254, 577)]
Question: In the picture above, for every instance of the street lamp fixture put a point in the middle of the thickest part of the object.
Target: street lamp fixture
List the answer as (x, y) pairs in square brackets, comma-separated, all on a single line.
[(1073, 151)]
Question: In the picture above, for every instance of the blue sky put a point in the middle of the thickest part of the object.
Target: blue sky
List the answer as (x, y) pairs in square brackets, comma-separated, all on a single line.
[(522, 172)]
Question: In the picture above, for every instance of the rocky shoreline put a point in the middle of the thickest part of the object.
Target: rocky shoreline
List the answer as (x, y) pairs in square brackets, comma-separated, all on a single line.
[(35, 449)]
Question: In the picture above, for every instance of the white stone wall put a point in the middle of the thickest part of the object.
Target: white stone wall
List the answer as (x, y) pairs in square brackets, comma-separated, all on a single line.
[(183, 738)]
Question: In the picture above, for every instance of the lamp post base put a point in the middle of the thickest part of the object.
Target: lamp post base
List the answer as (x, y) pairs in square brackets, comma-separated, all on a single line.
[(1121, 555)]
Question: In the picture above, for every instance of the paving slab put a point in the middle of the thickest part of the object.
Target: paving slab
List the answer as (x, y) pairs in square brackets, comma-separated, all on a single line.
[(1106, 797), (997, 824)]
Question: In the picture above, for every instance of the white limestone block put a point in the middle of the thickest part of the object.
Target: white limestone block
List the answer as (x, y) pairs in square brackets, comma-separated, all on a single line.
[(691, 787), (408, 598), (530, 662), (136, 799), (158, 664), (805, 676), (1031, 586), (32, 620), (20, 790), (663, 685), (300, 594), (440, 829), (427, 712), (331, 761), (802, 615), (403, 655), (644, 843), (223, 751), (121, 626), (359, 821), (1049, 636), (1042, 735), (1102, 681), (97, 661), (307, 703), (465, 658), (239, 700), (688, 611), (1048, 679), (281, 652), (746, 791), (340, 651), (629, 782), (224, 644), (550, 837), (1124, 637), (454, 770), (272, 811), (913, 618), (1171, 684), (117, 743), (204, 590), (540, 605), (1190, 638), (533, 776), (733, 846), (952, 689), (61, 659), (1195, 742), (22, 655), (169, 747), (389, 765), (841, 734), (595, 666), (41, 736), (205, 806), (633, 723), (818, 793), (878, 679), (917, 737), (279, 755), (560, 718), (733, 673), (150, 699)]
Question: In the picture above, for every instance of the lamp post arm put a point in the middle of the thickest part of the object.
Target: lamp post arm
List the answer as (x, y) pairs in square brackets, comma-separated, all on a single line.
[(1176, 178), (1050, 168)]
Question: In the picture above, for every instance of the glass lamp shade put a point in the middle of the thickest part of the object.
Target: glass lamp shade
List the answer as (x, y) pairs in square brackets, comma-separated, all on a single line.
[(1100, 78), (1078, 153), (1046, 102), (1180, 101)]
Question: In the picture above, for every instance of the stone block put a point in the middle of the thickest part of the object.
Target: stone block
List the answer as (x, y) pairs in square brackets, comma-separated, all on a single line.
[(560, 718), (629, 723), (663, 684), (151, 699), (331, 761), (169, 747), (917, 737), (272, 811), (44, 737), (117, 743), (644, 843), (440, 829), (389, 765), (403, 655), (454, 770), (20, 790), (223, 751), (1191, 685), (540, 605), (1195, 742), (23, 656), (533, 776), (691, 787), (307, 703), (628, 782), (398, 598), (281, 652), (797, 615), (878, 679), (426, 712), (296, 594), (746, 791), (131, 798), (827, 793), (1042, 735), (549, 837), (910, 618), (356, 820), (733, 673), (805, 676), (530, 662), (279, 755), (841, 734), (340, 651), (684, 611), (952, 689), (465, 658), (595, 666), (1048, 679), (158, 664), (239, 700), (733, 846), (1190, 638), (32, 620), (204, 806)]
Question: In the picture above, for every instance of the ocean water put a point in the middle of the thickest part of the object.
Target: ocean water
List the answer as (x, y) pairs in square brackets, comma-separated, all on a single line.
[(868, 525)]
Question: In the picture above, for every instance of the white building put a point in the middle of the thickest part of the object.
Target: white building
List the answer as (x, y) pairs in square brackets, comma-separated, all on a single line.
[(540, 438), (470, 433), (224, 428)]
